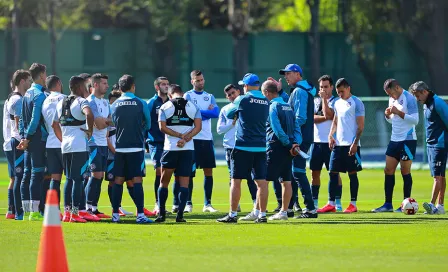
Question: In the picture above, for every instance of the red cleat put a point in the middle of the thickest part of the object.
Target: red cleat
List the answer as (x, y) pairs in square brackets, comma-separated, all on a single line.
[(89, 217), (60, 216), (76, 218), (148, 212), (66, 217), (10, 216), (327, 208), (120, 213), (351, 209), (101, 215)]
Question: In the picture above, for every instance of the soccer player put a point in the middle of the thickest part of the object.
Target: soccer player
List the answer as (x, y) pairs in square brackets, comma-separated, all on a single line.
[(301, 101), (249, 153), (402, 113), (73, 114), (155, 136), (34, 135), (280, 144), (10, 214), (180, 120), (320, 152), (131, 118), (436, 117), (98, 150), (53, 144), (226, 126), (348, 124), (204, 151)]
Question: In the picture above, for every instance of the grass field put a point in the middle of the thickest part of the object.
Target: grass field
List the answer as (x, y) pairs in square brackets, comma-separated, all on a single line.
[(333, 242)]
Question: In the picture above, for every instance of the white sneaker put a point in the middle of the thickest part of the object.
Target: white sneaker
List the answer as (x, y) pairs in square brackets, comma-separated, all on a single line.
[(278, 216), (440, 209), (429, 208), (209, 208), (249, 217), (188, 209), (125, 212)]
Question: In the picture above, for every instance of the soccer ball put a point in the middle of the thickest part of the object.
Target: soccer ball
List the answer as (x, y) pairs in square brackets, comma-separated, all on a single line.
[(409, 206)]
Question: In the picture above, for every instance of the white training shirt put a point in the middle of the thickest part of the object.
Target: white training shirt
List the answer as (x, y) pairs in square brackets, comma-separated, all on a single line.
[(13, 106), (322, 130), (167, 111), (404, 129), (48, 112), (346, 112), (6, 129), (203, 100), (100, 108), (73, 138), (225, 126)]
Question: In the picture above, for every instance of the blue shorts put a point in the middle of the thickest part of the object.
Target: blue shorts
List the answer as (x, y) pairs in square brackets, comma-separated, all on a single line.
[(299, 163), (320, 155), (340, 161), (110, 176), (437, 160), (54, 161), (156, 151), (279, 163), (19, 158), (98, 158), (75, 164), (242, 163), (10, 158), (402, 151), (129, 165), (182, 161), (204, 154)]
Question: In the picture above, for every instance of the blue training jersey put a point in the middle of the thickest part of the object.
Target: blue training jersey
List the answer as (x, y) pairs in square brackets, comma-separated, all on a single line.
[(155, 136), (31, 122), (280, 125), (252, 110), (282, 94), (436, 121), (131, 118), (302, 103)]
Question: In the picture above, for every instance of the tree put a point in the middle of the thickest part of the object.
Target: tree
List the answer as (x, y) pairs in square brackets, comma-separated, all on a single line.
[(314, 39)]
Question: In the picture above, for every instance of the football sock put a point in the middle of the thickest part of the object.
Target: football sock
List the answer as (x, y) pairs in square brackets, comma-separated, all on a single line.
[(156, 186), (117, 194), (176, 188), (302, 181), (139, 196), (389, 184), (82, 206), (11, 208), (252, 188), (190, 191), (277, 191), (68, 185), (262, 214), (163, 195), (333, 186), (183, 195), (97, 184), (407, 185), (110, 193), (56, 185), (131, 193), (233, 214), (208, 190), (17, 197), (77, 192), (354, 186), (315, 191)]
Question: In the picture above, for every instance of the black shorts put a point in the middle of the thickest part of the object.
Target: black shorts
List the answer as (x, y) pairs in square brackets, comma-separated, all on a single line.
[(75, 164), (110, 175), (204, 154), (155, 152), (129, 165), (181, 161), (54, 161), (340, 161), (242, 163), (10, 158), (279, 165), (298, 162), (98, 158), (402, 151), (320, 155), (437, 160)]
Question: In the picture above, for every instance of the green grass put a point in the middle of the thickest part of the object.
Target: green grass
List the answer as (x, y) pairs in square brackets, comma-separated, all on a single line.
[(333, 242)]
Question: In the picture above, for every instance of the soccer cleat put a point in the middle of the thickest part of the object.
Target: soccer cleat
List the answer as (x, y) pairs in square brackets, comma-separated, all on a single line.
[(143, 220), (10, 216), (188, 209), (209, 208), (36, 216), (115, 218), (101, 215), (429, 208), (399, 210), (387, 207), (149, 213), (239, 208), (76, 218), (290, 213), (175, 209), (327, 208), (181, 220), (228, 219), (297, 207), (121, 213), (278, 209), (440, 209), (262, 219), (66, 217), (312, 214), (338, 208), (19, 217), (351, 209), (156, 208), (278, 216), (160, 219), (249, 217), (124, 212), (89, 216)]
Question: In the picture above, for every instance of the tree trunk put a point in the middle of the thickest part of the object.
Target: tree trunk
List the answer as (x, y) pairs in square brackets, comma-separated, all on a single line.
[(15, 35), (314, 39), (238, 25), (52, 36)]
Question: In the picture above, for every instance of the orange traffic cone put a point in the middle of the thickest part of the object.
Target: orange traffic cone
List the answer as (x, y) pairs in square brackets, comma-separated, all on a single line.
[(52, 256)]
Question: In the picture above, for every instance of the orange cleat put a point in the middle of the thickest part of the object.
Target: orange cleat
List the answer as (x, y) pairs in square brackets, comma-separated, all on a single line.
[(66, 217), (351, 209), (76, 218), (327, 208), (120, 213), (89, 217), (10, 216), (148, 212)]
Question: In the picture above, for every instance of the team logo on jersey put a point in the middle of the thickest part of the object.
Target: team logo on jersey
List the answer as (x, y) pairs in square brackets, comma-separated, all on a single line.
[(110, 176), (92, 166), (349, 104), (401, 102), (85, 175), (206, 98), (18, 169), (104, 103)]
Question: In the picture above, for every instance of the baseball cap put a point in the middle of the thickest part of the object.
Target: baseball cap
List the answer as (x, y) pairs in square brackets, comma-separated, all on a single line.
[(250, 79), (291, 68)]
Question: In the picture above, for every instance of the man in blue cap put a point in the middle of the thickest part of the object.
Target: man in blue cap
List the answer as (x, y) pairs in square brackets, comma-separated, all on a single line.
[(302, 103), (252, 110)]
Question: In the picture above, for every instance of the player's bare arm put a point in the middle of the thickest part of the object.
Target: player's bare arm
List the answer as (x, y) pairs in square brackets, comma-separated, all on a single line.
[(90, 121), (57, 130), (197, 128), (331, 140), (359, 130), (328, 112), (167, 130)]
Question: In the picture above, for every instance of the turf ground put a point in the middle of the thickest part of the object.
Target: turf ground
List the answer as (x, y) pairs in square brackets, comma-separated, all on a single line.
[(333, 242)]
